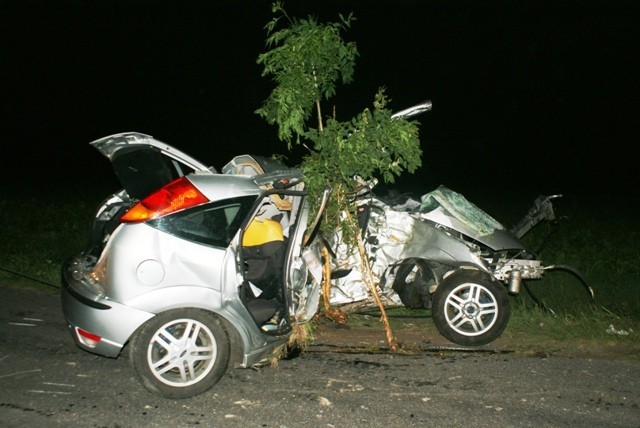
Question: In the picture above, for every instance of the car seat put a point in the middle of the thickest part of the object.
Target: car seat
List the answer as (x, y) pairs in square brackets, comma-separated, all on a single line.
[(264, 246)]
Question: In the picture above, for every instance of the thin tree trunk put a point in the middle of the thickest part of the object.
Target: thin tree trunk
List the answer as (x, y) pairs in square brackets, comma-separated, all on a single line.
[(333, 314), (367, 277)]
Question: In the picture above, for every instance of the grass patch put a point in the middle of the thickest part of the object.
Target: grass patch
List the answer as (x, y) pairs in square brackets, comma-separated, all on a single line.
[(39, 234), (594, 332), (595, 323), (600, 240)]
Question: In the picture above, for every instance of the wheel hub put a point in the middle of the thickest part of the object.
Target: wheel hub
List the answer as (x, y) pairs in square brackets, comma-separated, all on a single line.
[(470, 310)]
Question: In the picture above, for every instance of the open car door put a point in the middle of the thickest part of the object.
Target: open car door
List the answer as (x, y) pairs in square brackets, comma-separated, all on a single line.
[(280, 223)]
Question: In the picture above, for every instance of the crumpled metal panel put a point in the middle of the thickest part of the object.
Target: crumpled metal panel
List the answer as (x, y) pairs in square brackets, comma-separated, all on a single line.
[(388, 233), (392, 230), (393, 236), (452, 210)]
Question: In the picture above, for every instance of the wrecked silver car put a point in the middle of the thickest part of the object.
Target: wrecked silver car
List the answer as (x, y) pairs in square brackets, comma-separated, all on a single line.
[(195, 271), (440, 252)]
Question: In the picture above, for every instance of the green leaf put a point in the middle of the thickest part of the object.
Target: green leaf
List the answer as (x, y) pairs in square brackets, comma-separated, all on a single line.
[(306, 60)]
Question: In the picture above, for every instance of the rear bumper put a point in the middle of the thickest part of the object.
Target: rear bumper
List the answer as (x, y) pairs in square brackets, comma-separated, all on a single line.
[(96, 323)]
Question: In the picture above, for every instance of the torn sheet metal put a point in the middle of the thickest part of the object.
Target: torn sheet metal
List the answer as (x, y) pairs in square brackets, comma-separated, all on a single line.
[(443, 230)]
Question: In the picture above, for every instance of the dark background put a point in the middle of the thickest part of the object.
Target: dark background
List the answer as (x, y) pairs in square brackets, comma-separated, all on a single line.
[(529, 97)]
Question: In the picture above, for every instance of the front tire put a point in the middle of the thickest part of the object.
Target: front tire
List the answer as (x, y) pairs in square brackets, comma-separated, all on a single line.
[(180, 353), (470, 308)]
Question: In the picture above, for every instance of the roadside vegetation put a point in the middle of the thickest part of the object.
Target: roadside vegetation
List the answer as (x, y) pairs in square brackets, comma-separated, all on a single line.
[(40, 232), (600, 240)]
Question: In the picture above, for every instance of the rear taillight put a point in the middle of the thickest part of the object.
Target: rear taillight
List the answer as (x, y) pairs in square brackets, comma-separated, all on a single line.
[(175, 196)]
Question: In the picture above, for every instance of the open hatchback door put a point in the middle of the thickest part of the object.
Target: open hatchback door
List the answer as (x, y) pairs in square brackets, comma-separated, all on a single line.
[(144, 164)]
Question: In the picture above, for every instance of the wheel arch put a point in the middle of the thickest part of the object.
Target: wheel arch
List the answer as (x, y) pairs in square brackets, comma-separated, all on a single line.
[(244, 337), (465, 269), (440, 271), (236, 344)]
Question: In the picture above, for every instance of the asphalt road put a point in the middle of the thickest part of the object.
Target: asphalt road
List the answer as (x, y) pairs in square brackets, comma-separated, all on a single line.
[(46, 381)]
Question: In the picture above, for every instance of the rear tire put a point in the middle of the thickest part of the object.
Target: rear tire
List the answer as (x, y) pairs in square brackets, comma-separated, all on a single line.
[(180, 353), (470, 309)]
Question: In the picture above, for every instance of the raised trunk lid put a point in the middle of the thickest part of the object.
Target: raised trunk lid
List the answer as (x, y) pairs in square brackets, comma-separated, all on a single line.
[(144, 164)]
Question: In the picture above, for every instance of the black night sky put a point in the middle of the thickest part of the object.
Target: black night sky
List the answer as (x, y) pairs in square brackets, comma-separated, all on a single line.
[(529, 96)]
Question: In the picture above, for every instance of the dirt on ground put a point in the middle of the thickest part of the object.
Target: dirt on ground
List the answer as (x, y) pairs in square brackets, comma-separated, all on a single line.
[(419, 335)]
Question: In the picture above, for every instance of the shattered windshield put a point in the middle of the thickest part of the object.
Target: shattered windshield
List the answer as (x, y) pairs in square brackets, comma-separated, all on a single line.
[(456, 205)]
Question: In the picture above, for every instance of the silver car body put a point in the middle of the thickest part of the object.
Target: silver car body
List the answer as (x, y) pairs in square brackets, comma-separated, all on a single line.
[(196, 274), (132, 272)]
